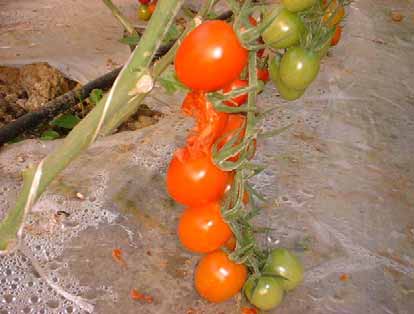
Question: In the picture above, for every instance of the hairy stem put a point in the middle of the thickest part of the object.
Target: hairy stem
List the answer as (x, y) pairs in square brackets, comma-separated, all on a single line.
[(120, 17), (37, 179)]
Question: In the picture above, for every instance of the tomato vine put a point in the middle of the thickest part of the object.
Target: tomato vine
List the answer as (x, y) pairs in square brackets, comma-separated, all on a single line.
[(293, 57)]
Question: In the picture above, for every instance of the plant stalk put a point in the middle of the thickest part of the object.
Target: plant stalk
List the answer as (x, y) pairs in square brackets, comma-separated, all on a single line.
[(85, 133), (120, 17)]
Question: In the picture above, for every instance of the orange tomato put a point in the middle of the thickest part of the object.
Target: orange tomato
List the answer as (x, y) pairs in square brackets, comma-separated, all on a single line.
[(217, 278), (195, 180), (152, 7), (335, 12), (210, 57), (337, 35), (202, 229)]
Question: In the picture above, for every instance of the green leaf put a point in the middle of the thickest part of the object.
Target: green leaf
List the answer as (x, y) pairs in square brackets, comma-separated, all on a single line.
[(169, 81), (212, 15), (49, 135), (15, 140), (130, 40), (66, 121), (96, 95)]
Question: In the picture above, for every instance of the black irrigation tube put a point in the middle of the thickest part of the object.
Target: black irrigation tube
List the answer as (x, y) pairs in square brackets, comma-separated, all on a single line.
[(66, 101)]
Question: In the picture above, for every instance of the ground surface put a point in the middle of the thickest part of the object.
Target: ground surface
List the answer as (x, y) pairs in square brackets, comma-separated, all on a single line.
[(340, 182)]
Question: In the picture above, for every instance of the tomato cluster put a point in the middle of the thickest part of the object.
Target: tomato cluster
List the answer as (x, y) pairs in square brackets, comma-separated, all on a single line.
[(145, 9), (298, 44), (210, 58), (215, 62)]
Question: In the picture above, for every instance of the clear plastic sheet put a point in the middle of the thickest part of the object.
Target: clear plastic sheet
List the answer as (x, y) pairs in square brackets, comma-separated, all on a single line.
[(339, 184)]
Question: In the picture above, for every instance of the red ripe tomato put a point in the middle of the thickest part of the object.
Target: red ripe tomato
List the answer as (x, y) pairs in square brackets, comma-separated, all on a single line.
[(202, 229), (337, 35), (260, 52), (209, 122), (239, 100), (144, 1), (217, 278), (194, 180), (210, 57), (252, 21), (263, 74)]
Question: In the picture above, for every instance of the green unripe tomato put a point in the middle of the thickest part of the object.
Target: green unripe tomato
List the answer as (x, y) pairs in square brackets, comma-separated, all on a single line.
[(298, 5), (285, 31), (284, 91), (264, 292), (144, 13), (283, 263), (299, 67)]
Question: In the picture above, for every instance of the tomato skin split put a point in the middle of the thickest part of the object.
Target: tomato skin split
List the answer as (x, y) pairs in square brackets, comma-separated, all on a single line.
[(209, 122)]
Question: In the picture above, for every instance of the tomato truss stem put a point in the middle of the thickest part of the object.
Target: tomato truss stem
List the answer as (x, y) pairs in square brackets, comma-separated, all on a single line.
[(234, 212)]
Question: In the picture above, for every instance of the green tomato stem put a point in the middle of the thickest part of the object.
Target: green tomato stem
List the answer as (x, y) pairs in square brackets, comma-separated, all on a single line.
[(107, 111), (120, 17)]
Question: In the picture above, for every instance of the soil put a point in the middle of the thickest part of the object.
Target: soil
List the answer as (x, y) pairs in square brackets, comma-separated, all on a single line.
[(30, 87)]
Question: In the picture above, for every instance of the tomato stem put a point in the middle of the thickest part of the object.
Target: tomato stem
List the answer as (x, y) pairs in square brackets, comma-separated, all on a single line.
[(120, 17), (114, 108)]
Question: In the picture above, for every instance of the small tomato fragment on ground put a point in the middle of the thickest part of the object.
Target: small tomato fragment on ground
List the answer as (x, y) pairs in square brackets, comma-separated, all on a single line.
[(117, 256), (137, 296), (249, 310), (344, 277), (396, 16)]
